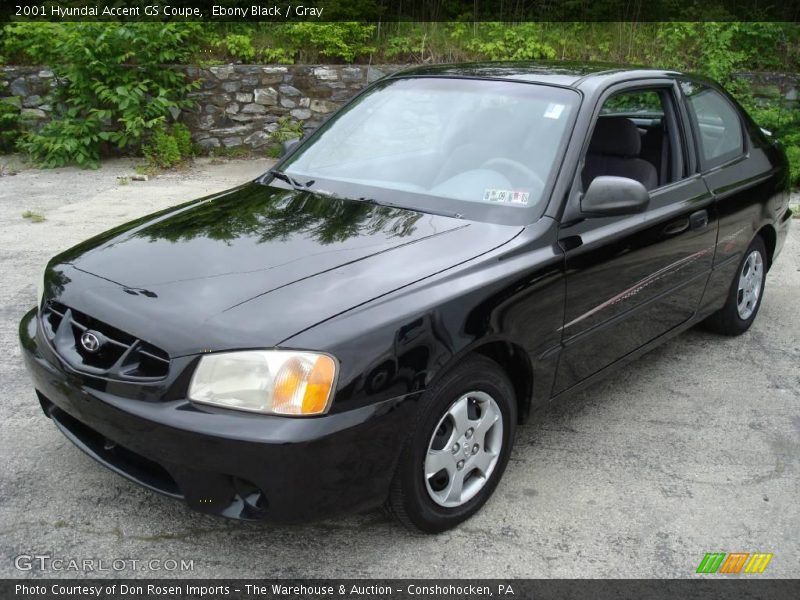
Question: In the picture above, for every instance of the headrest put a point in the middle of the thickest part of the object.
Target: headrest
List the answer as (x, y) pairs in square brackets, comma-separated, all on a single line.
[(617, 136)]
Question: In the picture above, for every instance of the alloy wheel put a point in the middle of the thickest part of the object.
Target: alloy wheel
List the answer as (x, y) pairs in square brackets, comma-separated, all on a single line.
[(750, 281), (464, 449)]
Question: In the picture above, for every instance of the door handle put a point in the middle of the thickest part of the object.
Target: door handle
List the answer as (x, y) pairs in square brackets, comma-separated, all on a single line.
[(699, 219), (677, 227)]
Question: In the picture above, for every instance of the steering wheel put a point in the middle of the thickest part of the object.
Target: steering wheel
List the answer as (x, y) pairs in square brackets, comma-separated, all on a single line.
[(514, 171)]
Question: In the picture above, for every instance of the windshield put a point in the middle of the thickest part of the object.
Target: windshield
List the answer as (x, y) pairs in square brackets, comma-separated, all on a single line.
[(483, 149)]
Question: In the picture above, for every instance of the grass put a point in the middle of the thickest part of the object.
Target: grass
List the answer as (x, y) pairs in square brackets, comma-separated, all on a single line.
[(273, 151), (146, 169), (33, 217), (234, 152)]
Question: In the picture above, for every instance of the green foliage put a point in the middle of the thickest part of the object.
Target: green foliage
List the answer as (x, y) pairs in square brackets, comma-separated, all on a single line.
[(162, 151), (119, 94), (238, 47), (288, 129), (231, 152), (312, 42), (168, 147), (633, 102), (273, 151), (499, 41), (717, 48), (118, 89), (784, 125), (183, 137), (288, 43), (29, 42), (10, 127), (793, 154), (66, 139), (344, 41)]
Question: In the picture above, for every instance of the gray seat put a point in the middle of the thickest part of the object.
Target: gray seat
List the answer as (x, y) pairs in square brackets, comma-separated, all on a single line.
[(614, 150)]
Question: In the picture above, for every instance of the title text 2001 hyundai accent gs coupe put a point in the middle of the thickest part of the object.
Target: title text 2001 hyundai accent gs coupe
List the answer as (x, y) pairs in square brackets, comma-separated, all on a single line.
[(368, 322)]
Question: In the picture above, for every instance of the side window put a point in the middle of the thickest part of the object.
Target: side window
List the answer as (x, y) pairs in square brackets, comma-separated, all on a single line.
[(718, 123), (643, 104), (632, 139)]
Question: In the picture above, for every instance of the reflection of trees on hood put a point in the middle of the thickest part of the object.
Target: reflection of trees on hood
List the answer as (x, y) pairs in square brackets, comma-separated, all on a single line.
[(54, 282), (270, 214)]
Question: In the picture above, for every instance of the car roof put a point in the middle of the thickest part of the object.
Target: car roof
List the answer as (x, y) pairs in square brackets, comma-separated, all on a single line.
[(576, 75)]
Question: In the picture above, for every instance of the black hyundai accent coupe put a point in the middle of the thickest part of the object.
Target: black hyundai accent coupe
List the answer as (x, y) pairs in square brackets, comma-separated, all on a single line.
[(368, 322)]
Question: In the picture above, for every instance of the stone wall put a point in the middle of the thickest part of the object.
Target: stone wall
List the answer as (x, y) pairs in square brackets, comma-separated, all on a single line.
[(240, 105), (27, 88), (776, 87), (235, 105)]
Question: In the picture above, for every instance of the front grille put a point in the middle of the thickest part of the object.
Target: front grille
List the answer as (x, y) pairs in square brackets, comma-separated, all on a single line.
[(120, 355)]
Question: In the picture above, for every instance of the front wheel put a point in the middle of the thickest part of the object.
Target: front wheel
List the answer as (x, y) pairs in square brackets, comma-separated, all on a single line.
[(746, 292), (459, 449)]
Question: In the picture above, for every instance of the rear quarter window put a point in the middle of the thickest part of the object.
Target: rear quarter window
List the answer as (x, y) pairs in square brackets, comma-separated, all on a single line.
[(718, 124)]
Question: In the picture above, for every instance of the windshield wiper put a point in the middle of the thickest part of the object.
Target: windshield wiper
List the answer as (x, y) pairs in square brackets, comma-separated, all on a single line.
[(417, 209), (291, 180)]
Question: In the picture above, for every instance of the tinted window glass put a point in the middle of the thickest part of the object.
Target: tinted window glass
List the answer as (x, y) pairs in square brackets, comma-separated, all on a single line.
[(630, 140), (718, 122), (473, 147), (645, 103)]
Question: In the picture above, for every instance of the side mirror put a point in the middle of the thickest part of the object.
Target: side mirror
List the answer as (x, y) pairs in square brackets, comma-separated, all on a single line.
[(287, 146), (609, 196)]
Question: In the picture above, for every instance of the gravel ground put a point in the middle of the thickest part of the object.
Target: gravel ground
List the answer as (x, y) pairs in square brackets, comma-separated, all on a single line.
[(694, 448)]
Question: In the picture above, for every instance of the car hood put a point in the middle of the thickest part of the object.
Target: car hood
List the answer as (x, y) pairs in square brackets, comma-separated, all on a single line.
[(255, 265)]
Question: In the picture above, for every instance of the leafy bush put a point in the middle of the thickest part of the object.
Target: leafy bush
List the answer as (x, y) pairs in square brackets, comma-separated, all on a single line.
[(183, 137), (29, 42), (498, 41), (288, 129), (118, 89), (162, 151), (168, 147), (66, 139), (793, 154), (345, 41), (9, 127), (783, 123), (311, 42), (238, 47)]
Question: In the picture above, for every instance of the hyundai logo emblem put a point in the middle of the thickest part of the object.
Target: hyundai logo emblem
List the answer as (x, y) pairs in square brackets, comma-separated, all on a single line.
[(91, 342)]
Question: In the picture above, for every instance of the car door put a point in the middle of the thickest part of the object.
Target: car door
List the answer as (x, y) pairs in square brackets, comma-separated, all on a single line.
[(632, 278), (736, 171)]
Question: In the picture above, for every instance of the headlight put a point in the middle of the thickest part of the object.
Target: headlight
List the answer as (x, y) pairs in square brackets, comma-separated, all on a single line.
[(279, 382)]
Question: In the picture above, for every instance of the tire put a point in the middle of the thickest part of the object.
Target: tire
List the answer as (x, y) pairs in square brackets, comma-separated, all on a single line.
[(738, 314), (453, 430)]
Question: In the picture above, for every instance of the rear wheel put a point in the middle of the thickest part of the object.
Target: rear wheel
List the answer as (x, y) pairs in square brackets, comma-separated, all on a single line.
[(459, 449), (746, 292)]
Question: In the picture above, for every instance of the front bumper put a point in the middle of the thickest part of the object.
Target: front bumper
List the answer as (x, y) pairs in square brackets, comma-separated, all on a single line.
[(222, 462)]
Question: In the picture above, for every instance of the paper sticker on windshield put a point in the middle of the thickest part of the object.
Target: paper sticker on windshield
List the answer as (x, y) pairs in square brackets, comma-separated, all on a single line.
[(553, 111), (506, 196)]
